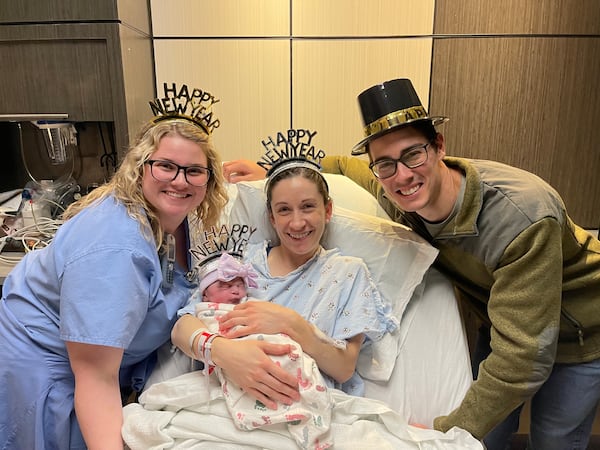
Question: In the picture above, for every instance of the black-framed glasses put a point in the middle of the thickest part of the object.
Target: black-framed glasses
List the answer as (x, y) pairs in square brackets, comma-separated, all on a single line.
[(412, 158), (162, 170)]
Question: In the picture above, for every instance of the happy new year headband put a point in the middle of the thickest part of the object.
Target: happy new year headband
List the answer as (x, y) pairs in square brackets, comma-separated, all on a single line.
[(193, 105), (219, 255), (231, 239), (290, 149)]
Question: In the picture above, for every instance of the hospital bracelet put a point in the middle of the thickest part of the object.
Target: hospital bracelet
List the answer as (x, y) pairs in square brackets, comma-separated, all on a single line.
[(193, 336), (203, 349)]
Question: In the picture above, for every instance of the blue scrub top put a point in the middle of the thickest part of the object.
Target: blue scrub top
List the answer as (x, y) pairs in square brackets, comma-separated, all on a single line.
[(99, 282)]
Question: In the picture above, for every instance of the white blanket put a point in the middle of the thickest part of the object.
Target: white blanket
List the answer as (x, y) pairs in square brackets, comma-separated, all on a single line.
[(189, 412)]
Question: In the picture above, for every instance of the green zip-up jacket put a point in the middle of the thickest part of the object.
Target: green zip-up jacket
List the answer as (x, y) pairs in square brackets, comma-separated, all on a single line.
[(514, 253)]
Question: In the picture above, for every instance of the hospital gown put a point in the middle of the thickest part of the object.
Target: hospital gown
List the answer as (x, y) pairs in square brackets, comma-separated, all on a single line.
[(332, 291)]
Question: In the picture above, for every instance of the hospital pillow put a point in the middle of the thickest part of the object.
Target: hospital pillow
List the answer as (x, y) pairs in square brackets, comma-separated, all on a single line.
[(396, 256)]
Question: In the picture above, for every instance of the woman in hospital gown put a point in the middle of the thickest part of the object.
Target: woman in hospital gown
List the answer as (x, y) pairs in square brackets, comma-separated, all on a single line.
[(307, 286)]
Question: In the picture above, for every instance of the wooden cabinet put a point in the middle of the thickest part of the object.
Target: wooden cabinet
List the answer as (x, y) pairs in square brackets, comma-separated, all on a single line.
[(59, 69), (90, 60), (519, 81)]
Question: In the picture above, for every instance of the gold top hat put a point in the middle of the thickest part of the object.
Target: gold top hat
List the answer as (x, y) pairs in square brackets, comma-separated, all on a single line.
[(387, 106)]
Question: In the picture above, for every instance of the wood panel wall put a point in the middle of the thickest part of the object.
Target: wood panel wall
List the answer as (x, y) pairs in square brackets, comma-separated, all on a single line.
[(519, 80)]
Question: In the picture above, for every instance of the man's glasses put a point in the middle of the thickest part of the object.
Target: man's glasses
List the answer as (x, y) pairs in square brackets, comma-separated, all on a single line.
[(162, 170), (412, 157)]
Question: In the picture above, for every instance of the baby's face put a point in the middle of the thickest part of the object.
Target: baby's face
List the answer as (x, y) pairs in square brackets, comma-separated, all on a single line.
[(225, 291)]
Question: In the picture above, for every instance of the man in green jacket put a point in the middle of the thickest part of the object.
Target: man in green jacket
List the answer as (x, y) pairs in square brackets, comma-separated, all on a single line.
[(507, 243)]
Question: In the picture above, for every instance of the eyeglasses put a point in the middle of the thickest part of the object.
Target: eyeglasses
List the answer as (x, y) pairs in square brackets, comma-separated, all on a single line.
[(412, 158), (162, 170)]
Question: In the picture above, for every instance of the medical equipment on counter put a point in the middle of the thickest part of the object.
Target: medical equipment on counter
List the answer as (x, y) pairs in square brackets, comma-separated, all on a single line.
[(30, 215), (35, 222), (58, 135), (47, 198), (26, 238), (53, 189)]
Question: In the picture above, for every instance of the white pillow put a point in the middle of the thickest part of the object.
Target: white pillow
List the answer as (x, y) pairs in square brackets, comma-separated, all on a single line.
[(347, 194), (396, 256)]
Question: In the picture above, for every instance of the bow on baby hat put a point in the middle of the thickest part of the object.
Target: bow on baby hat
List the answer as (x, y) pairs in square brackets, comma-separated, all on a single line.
[(230, 268)]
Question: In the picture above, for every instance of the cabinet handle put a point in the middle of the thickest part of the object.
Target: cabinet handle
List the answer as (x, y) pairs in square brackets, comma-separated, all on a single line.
[(32, 117)]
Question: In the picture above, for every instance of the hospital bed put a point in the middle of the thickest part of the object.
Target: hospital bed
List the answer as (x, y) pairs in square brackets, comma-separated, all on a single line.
[(412, 376)]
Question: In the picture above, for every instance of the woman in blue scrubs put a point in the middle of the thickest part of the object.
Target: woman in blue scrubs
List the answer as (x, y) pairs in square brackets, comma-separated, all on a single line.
[(81, 318)]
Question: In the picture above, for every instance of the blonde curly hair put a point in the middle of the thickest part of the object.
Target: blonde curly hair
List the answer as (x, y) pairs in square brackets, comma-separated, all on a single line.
[(126, 183)]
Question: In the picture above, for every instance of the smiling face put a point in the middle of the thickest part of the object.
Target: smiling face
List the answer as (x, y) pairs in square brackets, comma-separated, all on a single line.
[(173, 200), (414, 190), (299, 214)]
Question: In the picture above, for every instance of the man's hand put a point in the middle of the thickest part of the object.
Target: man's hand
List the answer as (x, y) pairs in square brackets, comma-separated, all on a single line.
[(242, 170)]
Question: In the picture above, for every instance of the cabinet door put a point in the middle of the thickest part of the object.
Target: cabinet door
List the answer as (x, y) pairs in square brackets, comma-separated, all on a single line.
[(59, 69)]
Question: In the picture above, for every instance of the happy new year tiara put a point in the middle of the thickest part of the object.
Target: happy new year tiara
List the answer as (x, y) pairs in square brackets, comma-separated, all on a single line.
[(193, 105), (231, 239), (293, 148)]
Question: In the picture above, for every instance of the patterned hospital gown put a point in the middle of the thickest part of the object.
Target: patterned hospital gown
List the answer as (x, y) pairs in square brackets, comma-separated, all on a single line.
[(334, 292)]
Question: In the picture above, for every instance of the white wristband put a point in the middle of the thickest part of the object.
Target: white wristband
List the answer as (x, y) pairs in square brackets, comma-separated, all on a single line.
[(193, 337)]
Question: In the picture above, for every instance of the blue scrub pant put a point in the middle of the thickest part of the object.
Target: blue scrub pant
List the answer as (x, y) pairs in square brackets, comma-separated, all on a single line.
[(562, 411), (36, 393)]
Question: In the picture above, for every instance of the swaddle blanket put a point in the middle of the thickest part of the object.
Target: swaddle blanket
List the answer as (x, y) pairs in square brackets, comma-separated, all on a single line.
[(308, 419)]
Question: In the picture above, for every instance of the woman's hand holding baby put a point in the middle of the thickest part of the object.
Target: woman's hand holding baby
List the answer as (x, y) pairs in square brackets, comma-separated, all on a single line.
[(254, 317), (249, 366)]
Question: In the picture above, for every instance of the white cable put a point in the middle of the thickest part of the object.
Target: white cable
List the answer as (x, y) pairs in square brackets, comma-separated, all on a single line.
[(32, 237)]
